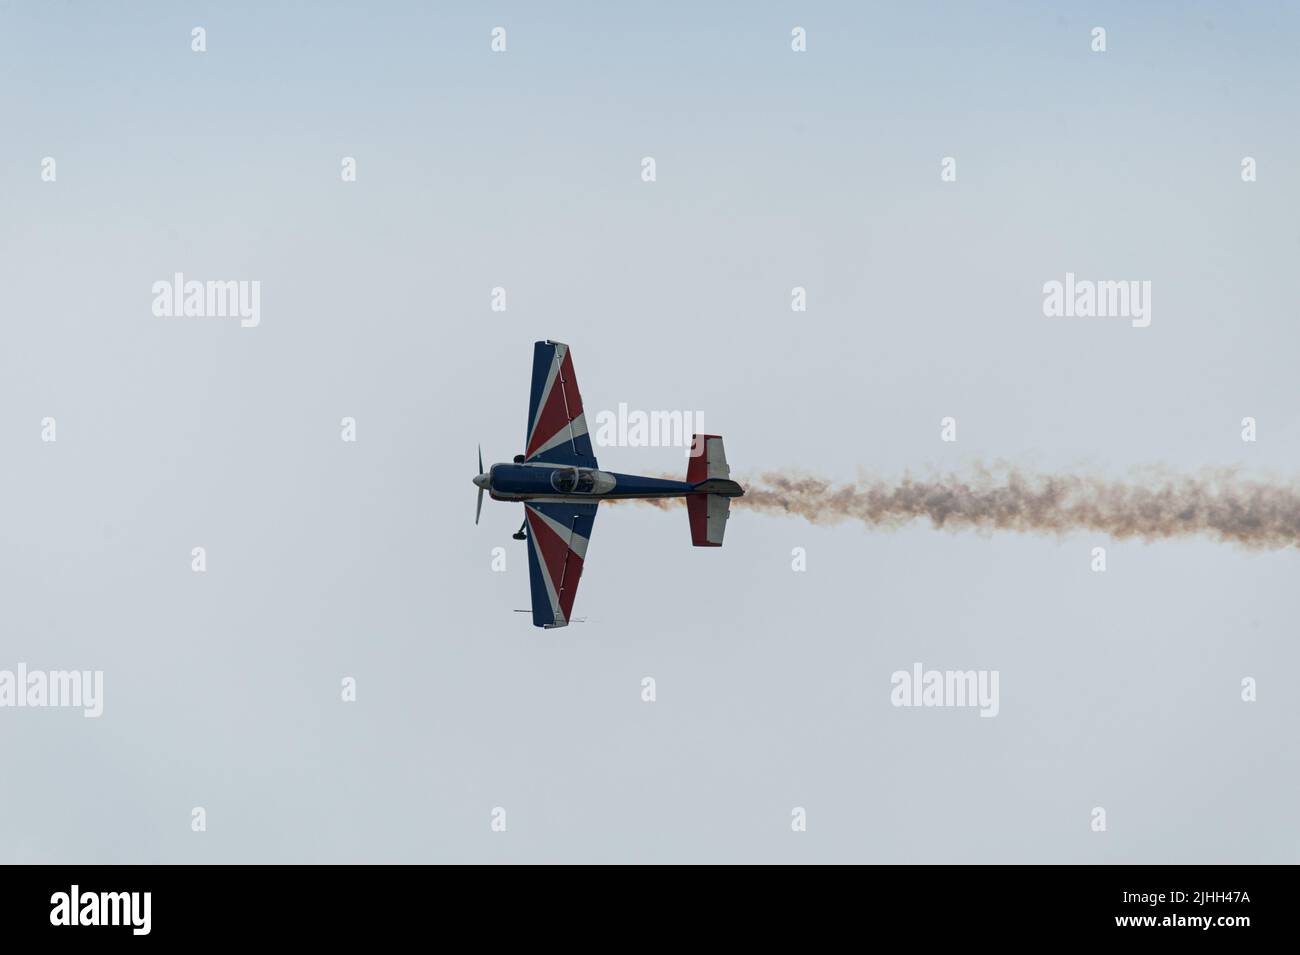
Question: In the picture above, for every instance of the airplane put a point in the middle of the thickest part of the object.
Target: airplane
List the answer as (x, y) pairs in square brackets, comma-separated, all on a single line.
[(560, 484)]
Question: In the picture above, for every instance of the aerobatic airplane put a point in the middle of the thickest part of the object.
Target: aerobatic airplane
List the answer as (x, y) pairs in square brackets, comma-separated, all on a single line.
[(560, 485)]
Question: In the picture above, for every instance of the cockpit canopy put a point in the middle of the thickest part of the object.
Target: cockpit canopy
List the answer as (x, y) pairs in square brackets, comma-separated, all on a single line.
[(573, 480)]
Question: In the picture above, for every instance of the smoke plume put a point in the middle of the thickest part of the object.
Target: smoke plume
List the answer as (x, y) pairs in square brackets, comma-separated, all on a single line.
[(1216, 505)]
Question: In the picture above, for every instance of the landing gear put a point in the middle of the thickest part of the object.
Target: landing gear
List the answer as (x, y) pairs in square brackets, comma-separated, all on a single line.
[(519, 535)]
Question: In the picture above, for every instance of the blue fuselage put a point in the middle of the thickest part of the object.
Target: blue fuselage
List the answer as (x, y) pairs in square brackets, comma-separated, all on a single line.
[(540, 482)]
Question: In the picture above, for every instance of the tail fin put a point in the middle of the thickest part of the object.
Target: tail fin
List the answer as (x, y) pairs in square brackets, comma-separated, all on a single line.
[(708, 514), (711, 506), (708, 459)]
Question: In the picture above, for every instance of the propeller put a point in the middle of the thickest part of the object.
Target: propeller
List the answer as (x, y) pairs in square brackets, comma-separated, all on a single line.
[(479, 509)]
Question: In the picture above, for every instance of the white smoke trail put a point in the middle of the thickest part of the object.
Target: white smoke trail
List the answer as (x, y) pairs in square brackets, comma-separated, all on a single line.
[(1218, 505)]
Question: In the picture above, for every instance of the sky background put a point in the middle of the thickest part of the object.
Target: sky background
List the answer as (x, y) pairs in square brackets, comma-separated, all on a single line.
[(775, 169)]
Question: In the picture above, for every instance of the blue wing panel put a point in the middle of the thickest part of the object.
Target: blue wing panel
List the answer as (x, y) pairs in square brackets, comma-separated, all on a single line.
[(543, 357), (579, 454), (581, 517), (543, 610), (558, 534), (557, 426)]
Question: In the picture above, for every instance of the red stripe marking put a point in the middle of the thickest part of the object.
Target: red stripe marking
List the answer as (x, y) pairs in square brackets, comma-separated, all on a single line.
[(571, 386), (551, 420), (698, 509), (554, 551), (697, 468), (572, 574)]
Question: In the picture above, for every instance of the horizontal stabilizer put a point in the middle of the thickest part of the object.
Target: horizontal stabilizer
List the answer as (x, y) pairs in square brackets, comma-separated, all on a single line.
[(708, 514)]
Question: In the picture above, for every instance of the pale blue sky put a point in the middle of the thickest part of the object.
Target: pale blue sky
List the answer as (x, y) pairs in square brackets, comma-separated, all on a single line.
[(775, 169)]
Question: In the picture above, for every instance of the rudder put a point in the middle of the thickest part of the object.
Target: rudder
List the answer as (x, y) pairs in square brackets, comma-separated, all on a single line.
[(708, 514), (708, 459), (709, 511)]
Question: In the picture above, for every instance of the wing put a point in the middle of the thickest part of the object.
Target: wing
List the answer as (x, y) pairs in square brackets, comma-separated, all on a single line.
[(557, 428), (557, 547)]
